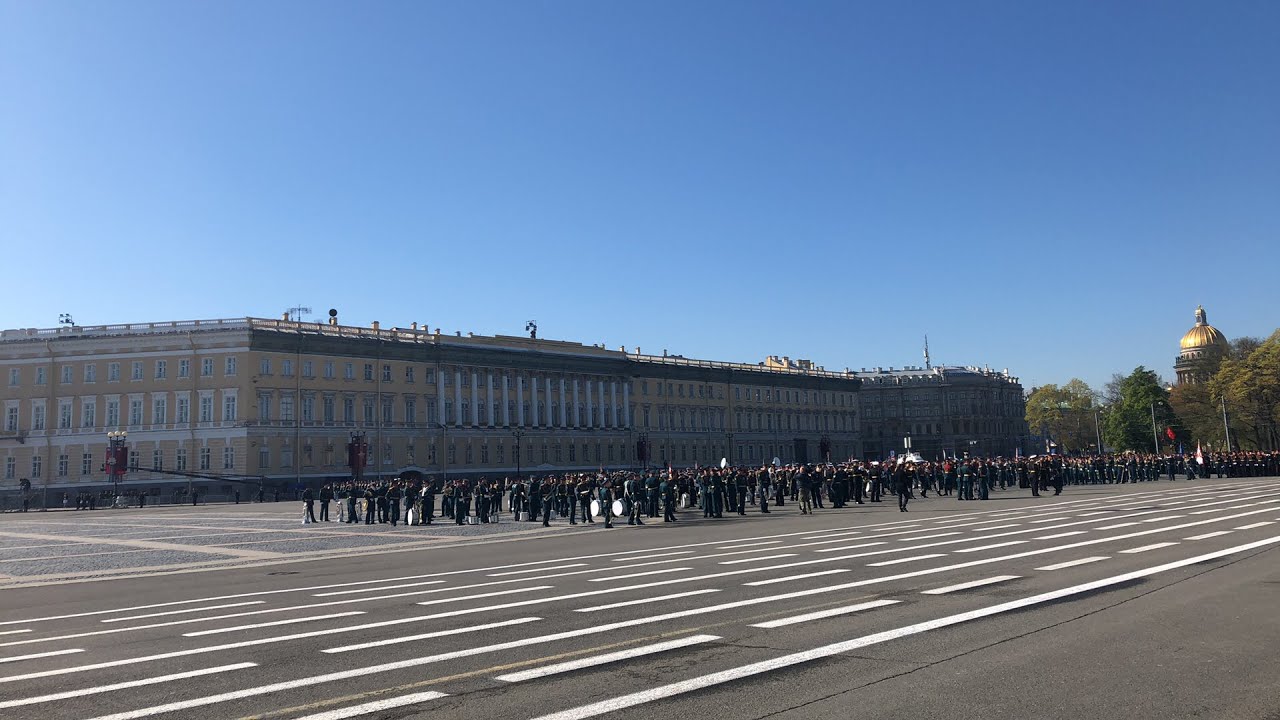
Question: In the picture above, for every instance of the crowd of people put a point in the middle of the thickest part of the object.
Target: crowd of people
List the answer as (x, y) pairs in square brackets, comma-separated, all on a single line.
[(637, 496)]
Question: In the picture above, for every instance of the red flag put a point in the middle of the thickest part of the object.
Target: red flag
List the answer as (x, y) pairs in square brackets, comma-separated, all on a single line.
[(1168, 432)]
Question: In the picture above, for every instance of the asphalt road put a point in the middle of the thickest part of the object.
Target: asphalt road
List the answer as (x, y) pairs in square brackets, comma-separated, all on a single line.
[(1156, 600)]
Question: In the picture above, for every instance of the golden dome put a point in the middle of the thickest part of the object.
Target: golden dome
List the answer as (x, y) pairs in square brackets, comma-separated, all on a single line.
[(1203, 335)]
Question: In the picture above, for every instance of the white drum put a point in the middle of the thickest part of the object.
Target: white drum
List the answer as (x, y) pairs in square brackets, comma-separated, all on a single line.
[(617, 508), (595, 508)]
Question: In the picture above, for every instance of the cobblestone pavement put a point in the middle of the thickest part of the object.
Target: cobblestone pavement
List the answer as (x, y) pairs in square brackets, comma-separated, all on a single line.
[(38, 547)]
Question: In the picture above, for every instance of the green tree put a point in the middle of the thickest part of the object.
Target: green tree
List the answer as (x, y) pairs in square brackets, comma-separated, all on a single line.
[(1065, 414), (1250, 385), (1137, 397)]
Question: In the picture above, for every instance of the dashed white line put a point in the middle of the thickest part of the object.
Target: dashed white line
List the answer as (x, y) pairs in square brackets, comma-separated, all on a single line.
[(792, 578), (1206, 536), (833, 612), (37, 656), (124, 685), (992, 547), (969, 585), (612, 657), (1060, 535), (756, 559), (663, 571), (183, 611), (906, 560), (1073, 563), (376, 706), (1255, 525), (274, 623), (1145, 548), (645, 601)]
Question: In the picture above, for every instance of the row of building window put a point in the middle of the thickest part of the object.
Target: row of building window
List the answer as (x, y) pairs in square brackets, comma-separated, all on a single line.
[(136, 412), (160, 371), (89, 465)]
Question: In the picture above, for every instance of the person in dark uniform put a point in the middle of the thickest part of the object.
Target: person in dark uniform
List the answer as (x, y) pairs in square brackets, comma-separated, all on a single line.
[(326, 497), (636, 498), (370, 505), (309, 499), (667, 488), (547, 495), (393, 503), (604, 494), (902, 479), (652, 489), (582, 493)]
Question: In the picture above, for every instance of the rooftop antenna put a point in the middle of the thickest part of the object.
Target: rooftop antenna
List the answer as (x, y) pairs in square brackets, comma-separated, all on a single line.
[(295, 313), (927, 364)]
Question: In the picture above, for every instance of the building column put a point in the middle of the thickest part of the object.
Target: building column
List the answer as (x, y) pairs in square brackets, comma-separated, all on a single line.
[(457, 398), (577, 408), (564, 412), (488, 396), (626, 406), (506, 407), (520, 400), (535, 418), (551, 420), (475, 393), (603, 418), (589, 419), (613, 404)]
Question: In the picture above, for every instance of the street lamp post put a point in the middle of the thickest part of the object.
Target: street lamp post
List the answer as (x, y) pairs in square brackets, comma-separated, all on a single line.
[(518, 434), (1155, 436), (117, 461), (1097, 428)]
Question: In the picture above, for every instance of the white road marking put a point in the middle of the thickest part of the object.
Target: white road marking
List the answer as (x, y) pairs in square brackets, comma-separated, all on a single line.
[(1073, 563), (1007, 543), (1061, 535), (37, 656), (534, 570), (1206, 536), (663, 571), (1002, 527), (1049, 520), (399, 639), (376, 706), (755, 559), (705, 681), (793, 578), (275, 623), (605, 659), (929, 537), (182, 611), (478, 596), (1255, 525), (1145, 548), (1162, 519), (14, 632), (1095, 512), (852, 547), (969, 585), (906, 559), (645, 601), (740, 546), (382, 588), (1205, 512), (659, 555), (124, 685), (1117, 526), (833, 612)]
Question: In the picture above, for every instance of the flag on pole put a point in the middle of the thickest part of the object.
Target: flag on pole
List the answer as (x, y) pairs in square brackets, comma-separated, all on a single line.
[(1168, 432), (1199, 454)]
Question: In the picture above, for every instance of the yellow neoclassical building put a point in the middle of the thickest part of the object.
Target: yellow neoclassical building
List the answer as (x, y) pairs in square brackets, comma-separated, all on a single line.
[(278, 401)]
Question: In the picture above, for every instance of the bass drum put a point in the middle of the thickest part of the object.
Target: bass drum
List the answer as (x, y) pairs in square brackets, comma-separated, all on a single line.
[(595, 508), (618, 508)]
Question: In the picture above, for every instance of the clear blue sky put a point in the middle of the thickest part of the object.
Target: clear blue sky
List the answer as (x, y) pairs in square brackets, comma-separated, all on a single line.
[(1050, 187)]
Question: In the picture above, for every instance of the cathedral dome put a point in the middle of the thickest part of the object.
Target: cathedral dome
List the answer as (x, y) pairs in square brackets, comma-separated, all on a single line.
[(1203, 336)]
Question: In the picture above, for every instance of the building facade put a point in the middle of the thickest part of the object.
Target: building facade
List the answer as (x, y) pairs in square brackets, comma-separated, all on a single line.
[(278, 401), (943, 410)]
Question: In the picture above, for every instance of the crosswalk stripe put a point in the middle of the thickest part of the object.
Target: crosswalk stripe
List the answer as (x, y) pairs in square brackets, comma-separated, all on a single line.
[(400, 639), (645, 601), (37, 656), (1255, 525), (913, 558), (756, 559), (183, 611), (1206, 536), (646, 573), (793, 578), (992, 547), (274, 623)]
